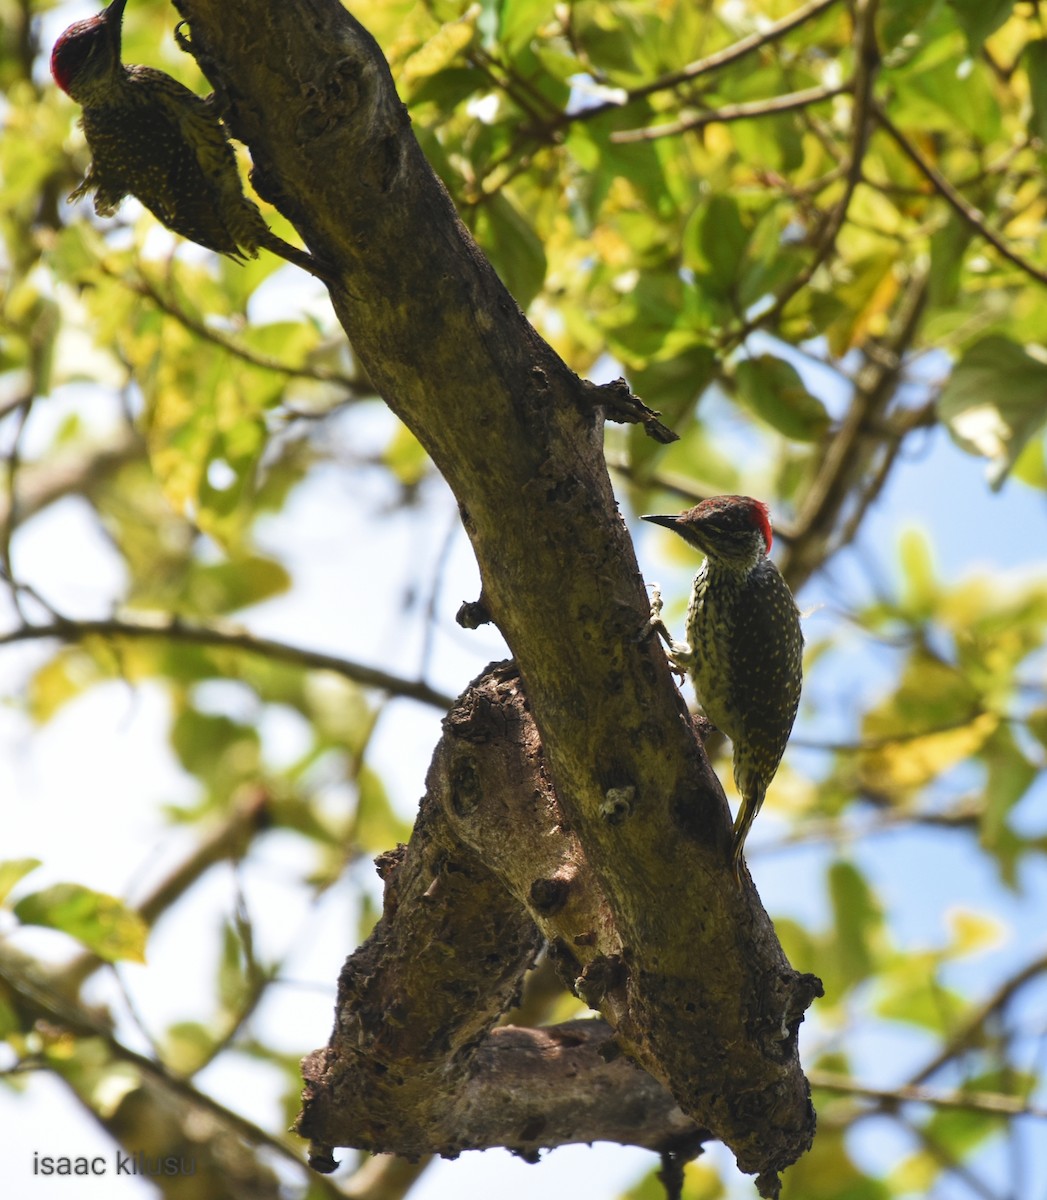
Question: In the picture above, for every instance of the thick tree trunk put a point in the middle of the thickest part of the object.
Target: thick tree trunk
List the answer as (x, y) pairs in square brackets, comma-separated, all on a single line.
[(685, 967)]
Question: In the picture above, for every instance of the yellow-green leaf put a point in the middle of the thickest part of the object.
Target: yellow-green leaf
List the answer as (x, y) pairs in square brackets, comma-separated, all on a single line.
[(102, 923), (12, 871), (994, 402), (773, 389), (972, 932)]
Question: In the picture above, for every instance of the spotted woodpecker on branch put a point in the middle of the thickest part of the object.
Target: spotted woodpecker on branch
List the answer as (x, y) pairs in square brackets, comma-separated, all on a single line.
[(152, 138), (744, 649)]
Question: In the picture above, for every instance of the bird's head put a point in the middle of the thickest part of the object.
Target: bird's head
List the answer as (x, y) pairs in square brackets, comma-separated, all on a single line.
[(733, 530), (87, 55)]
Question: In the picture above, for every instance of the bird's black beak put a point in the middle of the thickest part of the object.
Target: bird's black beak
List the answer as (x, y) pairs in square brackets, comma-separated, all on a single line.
[(114, 20), (668, 522)]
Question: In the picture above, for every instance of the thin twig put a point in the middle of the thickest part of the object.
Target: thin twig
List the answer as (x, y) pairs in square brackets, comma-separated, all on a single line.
[(838, 830), (967, 1034), (973, 216), (918, 418), (871, 745), (432, 602), (42, 1003), (847, 455), (746, 111), (229, 637), (227, 841), (867, 61), (947, 1158), (45, 482), (713, 62), (11, 517), (985, 1102), (144, 286)]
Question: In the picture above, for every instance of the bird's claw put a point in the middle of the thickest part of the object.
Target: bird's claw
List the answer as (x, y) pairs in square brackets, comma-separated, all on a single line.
[(654, 622)]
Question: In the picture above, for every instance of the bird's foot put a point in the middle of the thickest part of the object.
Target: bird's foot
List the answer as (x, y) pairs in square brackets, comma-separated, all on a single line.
[(678, 653), (654, 622)]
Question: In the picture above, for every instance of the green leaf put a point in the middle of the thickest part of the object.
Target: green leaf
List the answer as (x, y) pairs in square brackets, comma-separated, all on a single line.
[(339, 711), (921, 590), (946, 92), (609, 37), (513, 246), (217, 588), (607, 163), (187, 1046), (10, 1021), (701, 1181), (994, 402), (405, 457), (979, 18), (12, 871), (1035, 58), (827, 1172), (772, 388), (216, 748), (444, 92), (916, 1173), (71, 671), (1010, 776), (948, 247), (673, 387), (902, 24), (674, 384), (714, 243), (442, 50), (803, 950), (913, 994), (974, 932), (861, 300), (958, 1132), (518, 20), (376, 826), (1031, 465), (102, 923), (858, 919), (933, 720), (768, 263), (1036, 723), (235, 966), (646, 322)]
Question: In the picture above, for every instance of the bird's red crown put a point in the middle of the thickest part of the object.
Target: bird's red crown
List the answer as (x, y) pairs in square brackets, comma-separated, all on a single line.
[(741, 508)]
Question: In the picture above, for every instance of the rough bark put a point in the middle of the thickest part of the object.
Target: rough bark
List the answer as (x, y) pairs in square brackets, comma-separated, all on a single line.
[(414, 1065), (699, 992)]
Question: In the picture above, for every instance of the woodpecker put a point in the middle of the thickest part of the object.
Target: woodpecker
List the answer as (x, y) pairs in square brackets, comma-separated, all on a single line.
[(744, 649), (154, 139)]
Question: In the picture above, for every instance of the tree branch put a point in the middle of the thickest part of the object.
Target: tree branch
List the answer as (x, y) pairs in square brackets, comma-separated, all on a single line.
[(225, 636), (973, 217), (866, 67), (143, 285), (36, 1001), (852, 447), (513, 432), (491, 858), (969, 1032), (40, 484), (995, 1103), (712, 62), (489, 865), (746, 111)]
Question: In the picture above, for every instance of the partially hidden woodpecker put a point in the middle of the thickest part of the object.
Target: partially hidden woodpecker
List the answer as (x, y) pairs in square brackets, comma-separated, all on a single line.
[(152, 138), (744, 649)]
